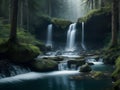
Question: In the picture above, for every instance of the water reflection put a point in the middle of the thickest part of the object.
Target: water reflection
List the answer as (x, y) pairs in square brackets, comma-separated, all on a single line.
[(59, 80)]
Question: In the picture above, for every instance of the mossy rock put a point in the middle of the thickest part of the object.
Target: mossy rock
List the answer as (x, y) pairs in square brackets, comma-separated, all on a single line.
[(117, 85), (44, 65), (110, 55), (116, 74), (97, 74), (95, 12), (22, 53), (59, 58), (85, 68), (76, 62), (61, 23)]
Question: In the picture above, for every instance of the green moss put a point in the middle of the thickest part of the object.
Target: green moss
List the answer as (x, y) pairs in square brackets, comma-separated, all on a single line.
[(22, 35), (22, 53), (19, 53), (94, 12), (44, 65), (61, 23), (111, 54), (97, 74), (117, 83), (116, 72), (85, 68)]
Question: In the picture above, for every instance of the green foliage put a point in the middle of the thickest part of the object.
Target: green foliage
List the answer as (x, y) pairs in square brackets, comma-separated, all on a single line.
[(61, 23), (42, 20), (94, 12), (116, 72), (22, 35), (111, 54), (20, 52), (117, 83)]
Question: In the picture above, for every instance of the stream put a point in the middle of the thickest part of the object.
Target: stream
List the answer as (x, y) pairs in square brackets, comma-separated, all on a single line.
[(57, 80)]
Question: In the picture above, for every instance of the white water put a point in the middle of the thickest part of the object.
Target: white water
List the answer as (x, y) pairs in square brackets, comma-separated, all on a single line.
[(82, 41), (92, 60), (62, 66), (70, 46), (49, 36)]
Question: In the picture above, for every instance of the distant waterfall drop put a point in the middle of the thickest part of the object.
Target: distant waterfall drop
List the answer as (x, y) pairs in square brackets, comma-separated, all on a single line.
[(82, 41), (70, 46), (49, 36)]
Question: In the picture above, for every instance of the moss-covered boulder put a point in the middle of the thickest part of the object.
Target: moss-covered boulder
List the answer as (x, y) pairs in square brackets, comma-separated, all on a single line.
[(19, 53), (22, 53), (97, 74), (85, 68), (58, 58), (60, 27), (63, 24), (44, 65)]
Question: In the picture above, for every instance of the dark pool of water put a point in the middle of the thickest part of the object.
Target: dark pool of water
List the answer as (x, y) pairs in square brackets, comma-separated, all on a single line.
[(57, 80)]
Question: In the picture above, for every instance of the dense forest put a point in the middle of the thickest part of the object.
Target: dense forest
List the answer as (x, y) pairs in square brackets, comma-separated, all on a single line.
[(60, 44)]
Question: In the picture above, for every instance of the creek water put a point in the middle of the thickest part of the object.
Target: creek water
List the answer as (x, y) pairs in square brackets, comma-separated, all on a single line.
[(57, 80)]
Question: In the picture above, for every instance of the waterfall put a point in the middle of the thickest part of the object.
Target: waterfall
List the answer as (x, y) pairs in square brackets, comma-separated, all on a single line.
[(94, 61), (62, 66), (82, 41), (70, 46), (49, 35)]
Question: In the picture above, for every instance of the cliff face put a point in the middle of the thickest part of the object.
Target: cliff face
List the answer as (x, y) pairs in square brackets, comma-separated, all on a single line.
[(97, 27)]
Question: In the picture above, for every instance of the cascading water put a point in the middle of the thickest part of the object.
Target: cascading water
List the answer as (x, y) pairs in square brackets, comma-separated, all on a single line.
[(70, 46), (82, 41), (49, 35), (63, 65)]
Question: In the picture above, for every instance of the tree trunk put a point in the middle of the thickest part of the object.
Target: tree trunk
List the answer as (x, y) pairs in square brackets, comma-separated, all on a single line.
[(13, 33), (115, 22), (27, 10), (10, 10), (49, 7), (21, 14)]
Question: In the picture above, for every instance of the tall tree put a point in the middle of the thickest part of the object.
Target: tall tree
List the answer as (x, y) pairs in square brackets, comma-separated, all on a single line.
[(115, 22), (13, 35)]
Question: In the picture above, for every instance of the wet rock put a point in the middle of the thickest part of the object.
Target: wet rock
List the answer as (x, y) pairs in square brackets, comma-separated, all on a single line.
[(76, 62), (58, 58), (44, 65), (85, 68), (90, 63), (96, 57)]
